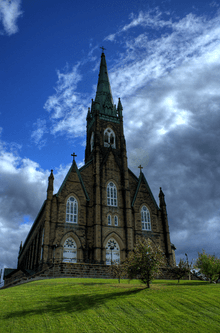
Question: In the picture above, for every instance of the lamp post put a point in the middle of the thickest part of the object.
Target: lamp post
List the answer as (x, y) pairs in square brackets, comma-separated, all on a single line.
[(187, 263)]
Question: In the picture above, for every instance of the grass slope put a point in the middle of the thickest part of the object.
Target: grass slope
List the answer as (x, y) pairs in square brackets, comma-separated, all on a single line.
[(97, 305)]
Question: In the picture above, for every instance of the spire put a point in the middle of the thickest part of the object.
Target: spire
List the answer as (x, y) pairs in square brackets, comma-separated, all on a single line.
[(50, 185), (103, 100), (161, 197), (119, 108), (20, 248)]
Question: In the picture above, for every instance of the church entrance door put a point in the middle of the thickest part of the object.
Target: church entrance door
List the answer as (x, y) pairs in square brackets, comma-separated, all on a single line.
[(112, 252), (70, 250)]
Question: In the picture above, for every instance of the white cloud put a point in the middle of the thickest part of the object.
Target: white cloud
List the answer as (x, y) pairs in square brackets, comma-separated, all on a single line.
[(169, 88), (39, 132), (22, 193), (9, 13), (67, 106)]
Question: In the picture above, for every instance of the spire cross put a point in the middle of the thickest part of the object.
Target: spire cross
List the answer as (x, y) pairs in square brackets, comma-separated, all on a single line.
[(140, 167), (101, 47), (74, 155)]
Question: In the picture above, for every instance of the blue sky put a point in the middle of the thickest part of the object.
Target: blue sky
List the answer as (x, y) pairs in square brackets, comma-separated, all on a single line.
[(163, 60)]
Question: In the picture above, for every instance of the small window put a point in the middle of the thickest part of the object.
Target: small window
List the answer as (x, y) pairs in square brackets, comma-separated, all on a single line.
[(92, 141), (145, 219), (109, 220), (109, 138), (71, 210), (111, 194), (116, 220)]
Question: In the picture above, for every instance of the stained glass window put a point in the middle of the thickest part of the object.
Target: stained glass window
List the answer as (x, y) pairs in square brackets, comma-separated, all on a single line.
[(111, 194), (145, 219), (72, 210)]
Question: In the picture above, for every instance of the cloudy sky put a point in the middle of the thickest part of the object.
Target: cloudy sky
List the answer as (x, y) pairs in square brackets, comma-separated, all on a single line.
[(163, 60)]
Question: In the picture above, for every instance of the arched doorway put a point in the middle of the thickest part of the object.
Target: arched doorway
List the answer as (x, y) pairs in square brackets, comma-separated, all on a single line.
[(112, 252), (70, 250)]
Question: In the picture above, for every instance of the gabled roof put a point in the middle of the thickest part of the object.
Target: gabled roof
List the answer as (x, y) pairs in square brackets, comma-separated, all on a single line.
[(143, 179), (33, 226), (74, 166)]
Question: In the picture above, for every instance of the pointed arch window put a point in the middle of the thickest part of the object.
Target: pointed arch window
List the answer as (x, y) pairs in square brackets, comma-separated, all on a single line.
[(111, 194), (70, 250), (109, 220), (109, 138), (145, 218), (112, 252), (72, 210), (92, 141), (116, 220)]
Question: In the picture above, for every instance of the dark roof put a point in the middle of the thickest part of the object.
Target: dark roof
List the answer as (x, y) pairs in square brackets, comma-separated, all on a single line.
[(8, 271), (143, 179), (32, 228), (74, 165)]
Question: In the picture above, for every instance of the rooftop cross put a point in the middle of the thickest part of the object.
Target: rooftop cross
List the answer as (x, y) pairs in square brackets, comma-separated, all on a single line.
[(74, 155), (101, 47), (140, 167)]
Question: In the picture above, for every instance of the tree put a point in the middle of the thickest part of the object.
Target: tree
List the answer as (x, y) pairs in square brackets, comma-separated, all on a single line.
[(209, 266), (145, 261), (180, 270), (117, 270)]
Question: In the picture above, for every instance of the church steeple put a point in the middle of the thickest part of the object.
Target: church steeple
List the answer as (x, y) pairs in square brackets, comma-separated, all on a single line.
[(103, 87), (104, 121), (103, 101)]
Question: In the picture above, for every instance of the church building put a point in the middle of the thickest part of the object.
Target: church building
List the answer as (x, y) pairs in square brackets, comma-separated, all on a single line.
[(101, 208)]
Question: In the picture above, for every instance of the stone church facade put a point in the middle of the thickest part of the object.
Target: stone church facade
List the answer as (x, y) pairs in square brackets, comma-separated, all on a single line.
[(101, 208)]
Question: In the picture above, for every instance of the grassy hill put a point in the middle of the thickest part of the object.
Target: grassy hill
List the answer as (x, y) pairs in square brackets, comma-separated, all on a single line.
[(97, 305)]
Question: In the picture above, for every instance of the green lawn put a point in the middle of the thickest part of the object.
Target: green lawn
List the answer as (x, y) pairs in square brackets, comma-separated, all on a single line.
[(97, 305)]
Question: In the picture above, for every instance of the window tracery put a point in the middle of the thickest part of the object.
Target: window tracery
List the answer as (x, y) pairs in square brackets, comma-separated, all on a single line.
[(72, 210), (109, 138), (111, 194), (145, 218)]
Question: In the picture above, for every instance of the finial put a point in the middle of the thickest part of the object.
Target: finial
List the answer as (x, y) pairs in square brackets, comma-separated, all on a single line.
[(140, 167), (74, 155)]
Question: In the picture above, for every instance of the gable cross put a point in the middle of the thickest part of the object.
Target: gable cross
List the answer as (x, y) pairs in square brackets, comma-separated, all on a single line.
[(140, 167), (74, 155)]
